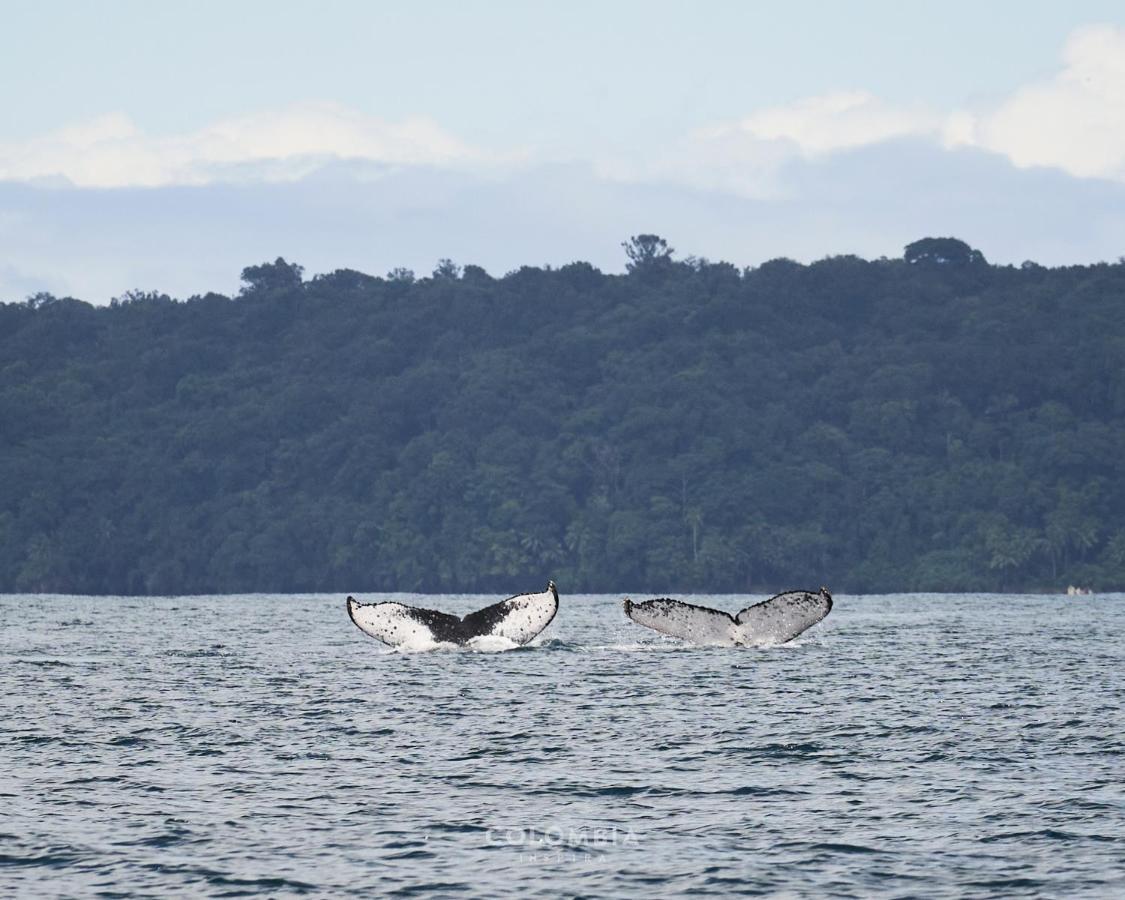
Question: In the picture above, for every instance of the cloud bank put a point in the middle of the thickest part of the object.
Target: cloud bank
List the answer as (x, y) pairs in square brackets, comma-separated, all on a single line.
[(102, 207), (1073, 121), (285, 145)]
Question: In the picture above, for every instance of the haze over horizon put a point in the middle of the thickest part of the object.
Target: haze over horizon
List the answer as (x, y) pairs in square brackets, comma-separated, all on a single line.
[(167, 148)]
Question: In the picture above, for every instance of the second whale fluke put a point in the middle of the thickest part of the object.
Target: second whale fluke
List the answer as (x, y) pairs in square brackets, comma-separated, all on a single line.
[(774, 621)]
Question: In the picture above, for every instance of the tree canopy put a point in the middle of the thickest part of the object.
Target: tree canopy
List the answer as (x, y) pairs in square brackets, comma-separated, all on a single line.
[(942, 252), (926, 423)]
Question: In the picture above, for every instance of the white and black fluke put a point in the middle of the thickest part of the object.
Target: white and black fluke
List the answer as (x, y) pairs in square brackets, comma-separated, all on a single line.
[(773, 621), (517, 619)]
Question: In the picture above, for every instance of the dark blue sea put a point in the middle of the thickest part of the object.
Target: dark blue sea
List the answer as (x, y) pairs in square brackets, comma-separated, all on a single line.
[(909, 745)]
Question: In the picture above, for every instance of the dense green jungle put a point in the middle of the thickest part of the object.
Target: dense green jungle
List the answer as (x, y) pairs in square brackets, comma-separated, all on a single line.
[(925, 423)]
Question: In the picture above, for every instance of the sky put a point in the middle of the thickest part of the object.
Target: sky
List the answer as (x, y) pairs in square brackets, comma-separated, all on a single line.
[(165, 146)]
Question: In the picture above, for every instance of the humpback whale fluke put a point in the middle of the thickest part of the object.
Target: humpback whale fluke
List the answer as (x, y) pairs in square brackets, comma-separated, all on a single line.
[(517, 619), (774, 621)]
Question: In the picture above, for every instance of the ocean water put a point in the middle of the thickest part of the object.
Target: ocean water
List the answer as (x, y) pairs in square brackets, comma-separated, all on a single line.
[(922, 745)]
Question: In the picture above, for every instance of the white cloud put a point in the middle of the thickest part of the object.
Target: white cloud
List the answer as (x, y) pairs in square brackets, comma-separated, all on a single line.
[(1074, 121), (746, 157), (843, 120), (279, 146)]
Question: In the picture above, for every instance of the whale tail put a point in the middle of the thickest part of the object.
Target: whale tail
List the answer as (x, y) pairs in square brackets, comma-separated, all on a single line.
[(782, 617), (404, 626), (774, 621), (697, 624), (517, 619)]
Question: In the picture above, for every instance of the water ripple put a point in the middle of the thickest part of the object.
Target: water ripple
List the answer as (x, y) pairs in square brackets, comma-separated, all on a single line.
[(909, 746)]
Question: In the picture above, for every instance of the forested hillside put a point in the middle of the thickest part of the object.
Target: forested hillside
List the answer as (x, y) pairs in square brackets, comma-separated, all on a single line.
[(926, 423)]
